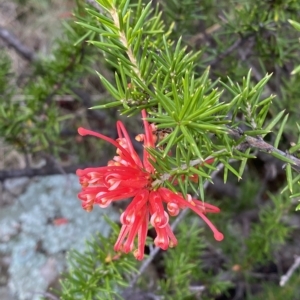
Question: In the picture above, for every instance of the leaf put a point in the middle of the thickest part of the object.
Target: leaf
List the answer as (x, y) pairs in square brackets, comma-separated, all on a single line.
[(171, 137), (93, 28), (227, 167), (282, 157), (102, 19), (294, 148), (189, 137), (243, 163), (279, 134), (295, 24), (114, 92), (166, 102), (256, 132), (140, 22), (296, 70), (82, 38), (274, 122), (293, 182), (106, 105), (107, 46), (289, 177)]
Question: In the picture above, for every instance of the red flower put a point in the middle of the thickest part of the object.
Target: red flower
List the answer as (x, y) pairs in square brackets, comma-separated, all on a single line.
[(127, 176)]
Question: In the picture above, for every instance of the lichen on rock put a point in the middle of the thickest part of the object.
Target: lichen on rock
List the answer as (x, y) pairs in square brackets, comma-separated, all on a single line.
[(40, 227)]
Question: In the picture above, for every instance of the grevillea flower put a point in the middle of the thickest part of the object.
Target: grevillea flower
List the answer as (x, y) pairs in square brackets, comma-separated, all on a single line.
[(127, 176)]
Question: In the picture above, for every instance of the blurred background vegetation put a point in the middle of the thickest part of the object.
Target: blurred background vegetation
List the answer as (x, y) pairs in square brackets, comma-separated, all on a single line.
[(48, 82)]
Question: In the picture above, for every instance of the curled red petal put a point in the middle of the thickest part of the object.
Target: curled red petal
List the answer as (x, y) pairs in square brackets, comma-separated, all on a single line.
[(169, 196), (84, 132)]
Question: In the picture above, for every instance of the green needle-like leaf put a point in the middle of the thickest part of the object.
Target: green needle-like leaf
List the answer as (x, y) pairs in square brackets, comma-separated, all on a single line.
[(289, 177), (280, 131), (274, 122)]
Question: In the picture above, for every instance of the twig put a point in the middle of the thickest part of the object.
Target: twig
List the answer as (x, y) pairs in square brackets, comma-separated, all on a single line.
[(192, 41), (53, 162), (197, 289), (47, 295), (284, 279), (260, 144), (12, 41), (238, 43)]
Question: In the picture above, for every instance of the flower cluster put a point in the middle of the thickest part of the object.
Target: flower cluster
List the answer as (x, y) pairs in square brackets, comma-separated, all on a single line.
[(127, 176)]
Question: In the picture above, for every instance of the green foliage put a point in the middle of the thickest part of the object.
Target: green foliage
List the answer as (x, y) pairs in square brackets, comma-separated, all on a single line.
[(273, 291), (4, 74), (270, 232), (31, 117), (185, 263), (97, 273), (179, 266), (175, 12)]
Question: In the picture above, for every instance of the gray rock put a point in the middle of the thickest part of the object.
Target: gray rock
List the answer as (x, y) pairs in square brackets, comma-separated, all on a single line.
[(39, 228), (5, 294), (16, 185)]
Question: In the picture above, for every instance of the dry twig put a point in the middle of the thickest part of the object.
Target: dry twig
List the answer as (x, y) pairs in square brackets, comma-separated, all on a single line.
[(284, 279), (12, 41)]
